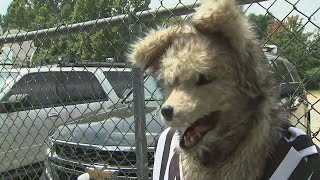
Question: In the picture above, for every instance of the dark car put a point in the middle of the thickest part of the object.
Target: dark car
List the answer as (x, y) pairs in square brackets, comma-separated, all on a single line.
[(105, 139), (292, 92)]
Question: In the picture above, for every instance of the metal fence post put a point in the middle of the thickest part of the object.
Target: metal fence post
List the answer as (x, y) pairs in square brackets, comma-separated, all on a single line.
[(139, 109)]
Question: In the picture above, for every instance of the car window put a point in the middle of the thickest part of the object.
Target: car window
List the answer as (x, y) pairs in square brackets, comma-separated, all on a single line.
[(293, 72), (121, 81), (79, 87), (39, 88), (151, 91), (282, 73)]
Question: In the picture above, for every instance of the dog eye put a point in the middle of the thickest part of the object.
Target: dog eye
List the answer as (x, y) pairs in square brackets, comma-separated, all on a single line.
[(203, 80)]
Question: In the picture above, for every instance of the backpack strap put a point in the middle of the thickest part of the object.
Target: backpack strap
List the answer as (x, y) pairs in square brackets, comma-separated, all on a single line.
[(161, 156)]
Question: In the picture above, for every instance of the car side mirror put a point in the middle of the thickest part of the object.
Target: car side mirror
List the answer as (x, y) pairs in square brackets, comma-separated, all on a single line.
[(287, 89)]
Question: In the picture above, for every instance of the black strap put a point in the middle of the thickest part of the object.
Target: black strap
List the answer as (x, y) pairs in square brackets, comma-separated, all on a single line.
[(174, 171), (276, 157), (302, 171), (314, 164), (166, 151), (302, 142)]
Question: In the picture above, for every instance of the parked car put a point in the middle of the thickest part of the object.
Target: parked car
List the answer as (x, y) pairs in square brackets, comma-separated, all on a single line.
[(104, 139), (35, 101), (292, 92)]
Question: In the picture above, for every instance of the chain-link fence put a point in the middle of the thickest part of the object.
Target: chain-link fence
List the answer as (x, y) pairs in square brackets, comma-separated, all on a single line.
[(71, 104)]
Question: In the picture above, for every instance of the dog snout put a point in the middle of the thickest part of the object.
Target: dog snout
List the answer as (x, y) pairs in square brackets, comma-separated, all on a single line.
[(167, 112)]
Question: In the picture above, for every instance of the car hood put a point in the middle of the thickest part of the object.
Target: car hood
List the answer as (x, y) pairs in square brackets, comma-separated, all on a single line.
[(112, 126)]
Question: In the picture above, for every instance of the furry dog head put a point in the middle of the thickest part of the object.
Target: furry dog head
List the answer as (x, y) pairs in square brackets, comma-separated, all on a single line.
[(214, 79)]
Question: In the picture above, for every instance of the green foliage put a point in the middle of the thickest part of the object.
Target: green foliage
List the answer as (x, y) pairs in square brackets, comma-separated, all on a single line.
[(85, 10), (315, 45), (294, 43), (301, 48), (20, 15), (313, 75), (261, 22), (96, 44)]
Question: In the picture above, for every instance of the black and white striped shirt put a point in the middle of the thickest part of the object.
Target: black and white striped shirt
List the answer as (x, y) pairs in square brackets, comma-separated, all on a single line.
[(296, 157)]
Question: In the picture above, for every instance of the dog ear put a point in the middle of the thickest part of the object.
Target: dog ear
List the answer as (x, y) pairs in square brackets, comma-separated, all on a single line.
[(146, 53), (223, 17)]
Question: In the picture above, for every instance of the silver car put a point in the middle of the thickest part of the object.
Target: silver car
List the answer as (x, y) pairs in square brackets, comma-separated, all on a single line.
[(104, 139)]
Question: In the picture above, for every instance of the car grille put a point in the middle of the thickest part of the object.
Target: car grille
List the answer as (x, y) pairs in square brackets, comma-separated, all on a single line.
[(97, 156)]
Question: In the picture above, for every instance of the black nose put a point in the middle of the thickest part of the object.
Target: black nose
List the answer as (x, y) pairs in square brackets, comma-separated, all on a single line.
[(167, 112)]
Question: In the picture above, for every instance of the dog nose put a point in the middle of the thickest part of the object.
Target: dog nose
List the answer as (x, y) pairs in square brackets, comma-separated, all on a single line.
[(167, 112)]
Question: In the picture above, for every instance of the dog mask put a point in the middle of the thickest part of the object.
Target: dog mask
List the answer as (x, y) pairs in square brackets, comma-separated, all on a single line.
[(207, 65)]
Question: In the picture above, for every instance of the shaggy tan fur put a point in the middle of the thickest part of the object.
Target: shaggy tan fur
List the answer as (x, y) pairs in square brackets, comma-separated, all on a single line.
[(218, 45)]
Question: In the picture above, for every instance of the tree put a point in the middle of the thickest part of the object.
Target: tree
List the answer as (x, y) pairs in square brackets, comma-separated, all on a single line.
[(315, 46), (261, 22), (95, 44), (20, 15), (38, 14), (108, 42), (314, 73), (85, 10), (293, 42), (50, 13)]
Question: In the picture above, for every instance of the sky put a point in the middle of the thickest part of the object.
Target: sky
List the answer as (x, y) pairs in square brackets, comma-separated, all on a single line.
[(279, 8), (4, 6)]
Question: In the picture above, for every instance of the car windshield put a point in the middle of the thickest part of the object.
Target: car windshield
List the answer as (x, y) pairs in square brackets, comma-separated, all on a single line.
[(284, 70), (5, 78), (151, 92), (121, 82), (293, 72)]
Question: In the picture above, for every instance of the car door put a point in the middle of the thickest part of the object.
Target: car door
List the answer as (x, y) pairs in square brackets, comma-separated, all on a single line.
[(26, 125)]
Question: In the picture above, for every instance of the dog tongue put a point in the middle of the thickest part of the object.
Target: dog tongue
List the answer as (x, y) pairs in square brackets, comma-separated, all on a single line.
[(198, 129), (194, 134)]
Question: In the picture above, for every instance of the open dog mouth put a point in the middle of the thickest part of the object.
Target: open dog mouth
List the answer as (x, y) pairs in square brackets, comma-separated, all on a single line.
[(194, 133)]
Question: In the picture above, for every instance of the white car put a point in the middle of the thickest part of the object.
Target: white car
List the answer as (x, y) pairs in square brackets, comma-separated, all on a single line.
[(34, 101)]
